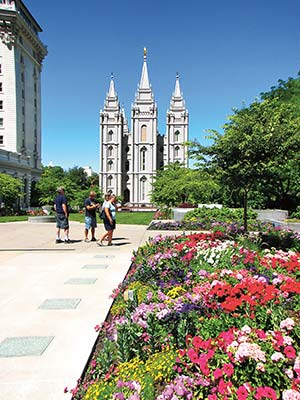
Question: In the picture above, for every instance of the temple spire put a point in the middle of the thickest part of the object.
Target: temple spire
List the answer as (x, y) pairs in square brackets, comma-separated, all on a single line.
[(177, 91), (112, 92), (144, 83)]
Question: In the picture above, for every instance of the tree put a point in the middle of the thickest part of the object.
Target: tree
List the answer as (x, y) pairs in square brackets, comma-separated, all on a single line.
[(260, 146), (51, 179), (177, 184), (10, 189), (78, 176)]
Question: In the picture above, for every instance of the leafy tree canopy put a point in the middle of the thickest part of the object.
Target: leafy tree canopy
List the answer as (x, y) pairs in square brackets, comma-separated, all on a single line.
[(177, 184), (10, 189)]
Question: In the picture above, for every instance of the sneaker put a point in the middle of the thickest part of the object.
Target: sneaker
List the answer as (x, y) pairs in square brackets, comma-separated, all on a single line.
[(109, 244), (67, 241), (58, 241), (93, 239), (100, 243), (86, 240)]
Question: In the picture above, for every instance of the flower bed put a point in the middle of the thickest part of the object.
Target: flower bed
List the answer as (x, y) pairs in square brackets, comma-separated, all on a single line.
[(200, 317)]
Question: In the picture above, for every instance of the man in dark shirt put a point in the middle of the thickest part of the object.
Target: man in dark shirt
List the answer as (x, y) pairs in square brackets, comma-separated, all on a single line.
[(62, 215), (91, 205)]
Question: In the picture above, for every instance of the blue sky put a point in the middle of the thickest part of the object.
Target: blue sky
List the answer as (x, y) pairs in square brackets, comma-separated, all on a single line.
[(226, 53)]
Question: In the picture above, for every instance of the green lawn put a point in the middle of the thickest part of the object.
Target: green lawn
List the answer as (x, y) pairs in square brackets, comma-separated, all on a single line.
[(123, 217), (14, 218)]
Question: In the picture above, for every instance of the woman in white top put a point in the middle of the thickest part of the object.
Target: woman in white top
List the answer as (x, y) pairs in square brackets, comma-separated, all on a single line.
[(109, 219)]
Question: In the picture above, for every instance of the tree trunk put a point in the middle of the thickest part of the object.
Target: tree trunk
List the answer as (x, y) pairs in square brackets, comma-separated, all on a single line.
[(245, 210)]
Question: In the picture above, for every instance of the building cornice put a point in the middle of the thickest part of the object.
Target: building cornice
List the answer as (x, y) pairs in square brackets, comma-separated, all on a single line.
[(11, 25)]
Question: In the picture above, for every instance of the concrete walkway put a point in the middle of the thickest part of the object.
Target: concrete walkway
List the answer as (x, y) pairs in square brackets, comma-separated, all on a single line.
[(51, 297)]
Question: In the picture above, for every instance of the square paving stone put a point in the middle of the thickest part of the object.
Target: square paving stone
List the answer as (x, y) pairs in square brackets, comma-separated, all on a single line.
[(60, 304), (24, 346), (104, 256), (81, 281), (95, 266)]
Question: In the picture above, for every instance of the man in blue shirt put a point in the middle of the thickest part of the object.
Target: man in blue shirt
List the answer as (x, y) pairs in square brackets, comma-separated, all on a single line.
[(62, 215)]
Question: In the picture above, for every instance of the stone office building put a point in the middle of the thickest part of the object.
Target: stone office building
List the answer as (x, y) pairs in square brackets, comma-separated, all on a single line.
[(21, 57), (129, 159)]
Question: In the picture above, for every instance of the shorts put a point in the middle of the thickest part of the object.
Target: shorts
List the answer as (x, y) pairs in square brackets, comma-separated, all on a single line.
[(90, 222), (62, 221), (108, 226)]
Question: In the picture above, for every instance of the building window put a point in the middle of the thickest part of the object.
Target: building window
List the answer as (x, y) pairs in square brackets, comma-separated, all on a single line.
[(1, 104), (176, 151), (22, 77), (144, 133), (143, 158), (35, 87), (109, 165), (0, 68), (1, 87), (127, 166), (21, 59), (143, 188), (1, 122), (21, 40), (109, 180), (110, 151), (177, 134), (110, 136), (1, 140), (23, 94), (23, 110)]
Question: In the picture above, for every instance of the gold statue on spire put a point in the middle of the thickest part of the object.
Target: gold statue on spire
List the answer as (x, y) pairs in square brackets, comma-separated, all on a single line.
[(145, 52)]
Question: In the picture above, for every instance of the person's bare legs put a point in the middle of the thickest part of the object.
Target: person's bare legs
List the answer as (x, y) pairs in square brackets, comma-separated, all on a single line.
[(86, 231), (93, 232), (103, 237), (110, 235)]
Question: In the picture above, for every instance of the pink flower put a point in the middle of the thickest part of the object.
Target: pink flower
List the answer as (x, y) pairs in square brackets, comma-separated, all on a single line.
[(218, 373), (287, 324), (242, 393), (290, 395), (265, 392), (290, 352), (228, 369), (193, 356), (260, 367), (65, 390)]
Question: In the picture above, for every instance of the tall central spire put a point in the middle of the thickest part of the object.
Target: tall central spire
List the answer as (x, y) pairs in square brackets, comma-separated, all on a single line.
[(177, 92), (144, 83), (111, 92)]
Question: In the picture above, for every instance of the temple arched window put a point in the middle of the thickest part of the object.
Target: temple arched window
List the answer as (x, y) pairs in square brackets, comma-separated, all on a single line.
[(109, 180), (176, 136), (176, 151), (110, 151), (143, 158), (110, 136), (109, 165), (143, 133), (143, 183)]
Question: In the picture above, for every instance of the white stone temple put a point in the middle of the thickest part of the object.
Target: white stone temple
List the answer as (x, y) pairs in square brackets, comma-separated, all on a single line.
[(21, 57), (129, 158)]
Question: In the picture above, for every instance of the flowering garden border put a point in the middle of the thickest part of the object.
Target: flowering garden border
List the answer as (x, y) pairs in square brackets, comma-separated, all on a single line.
[(200, 317)]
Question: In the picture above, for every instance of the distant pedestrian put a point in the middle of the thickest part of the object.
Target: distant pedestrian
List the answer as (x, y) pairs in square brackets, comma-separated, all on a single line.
[(109, 218), (62, 215), (91, 206)]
